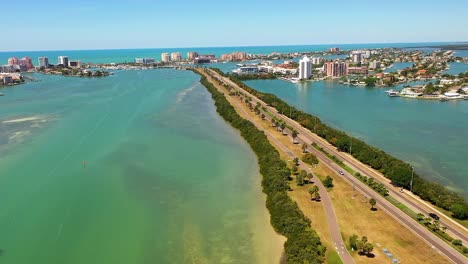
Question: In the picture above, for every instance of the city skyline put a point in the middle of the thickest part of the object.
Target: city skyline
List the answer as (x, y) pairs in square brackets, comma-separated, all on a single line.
[(87, 25)]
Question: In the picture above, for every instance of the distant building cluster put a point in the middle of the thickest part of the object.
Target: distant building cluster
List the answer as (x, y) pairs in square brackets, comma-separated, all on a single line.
[(9, 78), (235, 56), (15, 65)]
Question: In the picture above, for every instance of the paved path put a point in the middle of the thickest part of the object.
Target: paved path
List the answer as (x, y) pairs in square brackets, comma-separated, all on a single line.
[(308, 137), (325, 198)]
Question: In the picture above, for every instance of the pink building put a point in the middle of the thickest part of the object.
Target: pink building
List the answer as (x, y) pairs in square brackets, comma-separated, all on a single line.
[(335, 68), (235, 56), (13, 61), (26, 61)]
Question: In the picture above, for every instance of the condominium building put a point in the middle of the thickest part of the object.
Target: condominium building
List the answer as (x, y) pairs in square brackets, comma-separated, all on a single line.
[(305, 68), (192, 55), (145, 60), (335, 68), (374, 65), (333, 49), (44, 62), (235, 56), (27, 62), (357, 57), (63, 60), (175, 56), (316, 61), (13, 61), (165, 57)]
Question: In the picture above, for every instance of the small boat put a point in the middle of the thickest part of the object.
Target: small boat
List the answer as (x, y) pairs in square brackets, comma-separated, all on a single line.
[(4, 95), (443, 99), (392, 93), (465, 97)]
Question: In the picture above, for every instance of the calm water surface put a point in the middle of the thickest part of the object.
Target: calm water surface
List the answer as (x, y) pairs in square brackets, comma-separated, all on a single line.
[(431, 135), (133, 168)]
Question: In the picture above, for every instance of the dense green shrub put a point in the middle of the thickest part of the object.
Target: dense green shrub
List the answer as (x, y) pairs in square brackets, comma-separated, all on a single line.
[(303, 244), (398, 171)]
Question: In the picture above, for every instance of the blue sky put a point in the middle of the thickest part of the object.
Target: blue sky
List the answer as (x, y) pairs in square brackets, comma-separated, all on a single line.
[(102, 24)]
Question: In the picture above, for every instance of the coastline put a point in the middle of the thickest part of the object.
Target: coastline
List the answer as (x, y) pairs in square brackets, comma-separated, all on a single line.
[(296, 228)]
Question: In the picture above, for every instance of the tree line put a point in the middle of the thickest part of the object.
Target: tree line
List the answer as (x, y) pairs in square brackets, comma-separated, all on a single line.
[(398, 171), (303, 245)]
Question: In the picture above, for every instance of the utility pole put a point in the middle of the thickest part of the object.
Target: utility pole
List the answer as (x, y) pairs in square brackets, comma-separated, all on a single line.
[(412, 176)]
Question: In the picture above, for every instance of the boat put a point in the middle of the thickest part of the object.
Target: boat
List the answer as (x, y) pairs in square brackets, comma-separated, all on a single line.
[(3, 95), (392, 93), (443, 99), (465, 97)]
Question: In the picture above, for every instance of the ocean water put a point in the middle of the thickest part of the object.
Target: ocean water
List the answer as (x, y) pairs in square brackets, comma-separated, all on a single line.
[(133, 168), (431, 135)]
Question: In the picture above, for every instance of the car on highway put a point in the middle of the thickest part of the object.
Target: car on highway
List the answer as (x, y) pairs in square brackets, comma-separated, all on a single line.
[(341, 172), (436, 217)]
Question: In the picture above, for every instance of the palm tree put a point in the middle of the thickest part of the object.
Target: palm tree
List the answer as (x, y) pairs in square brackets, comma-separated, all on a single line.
[(283, 126), (304, 148), (273, 122), (294, 136)]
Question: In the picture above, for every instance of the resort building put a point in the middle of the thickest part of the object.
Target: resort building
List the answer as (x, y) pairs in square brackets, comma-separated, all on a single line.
[(74, 64), (334, 50), (235, 56), (165, 57), (305, 68), (63, 60), (246, 70), (335, 68), (43, 62), (144, 60), (191, 55), (176, 56)]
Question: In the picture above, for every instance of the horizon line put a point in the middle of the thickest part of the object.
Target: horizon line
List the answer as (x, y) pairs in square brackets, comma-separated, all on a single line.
[(241, 46)]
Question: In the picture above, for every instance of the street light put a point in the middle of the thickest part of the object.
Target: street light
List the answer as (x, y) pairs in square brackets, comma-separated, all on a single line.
[(412, 176)]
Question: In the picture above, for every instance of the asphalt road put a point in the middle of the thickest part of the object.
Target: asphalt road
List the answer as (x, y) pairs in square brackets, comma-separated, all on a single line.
[(308, 137), (324, 197)]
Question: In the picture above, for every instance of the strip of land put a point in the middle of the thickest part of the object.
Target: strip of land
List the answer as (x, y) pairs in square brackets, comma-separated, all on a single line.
[(305, 137)]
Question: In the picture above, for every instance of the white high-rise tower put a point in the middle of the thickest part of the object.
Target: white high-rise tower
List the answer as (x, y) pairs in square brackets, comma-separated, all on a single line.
[(305, 68)]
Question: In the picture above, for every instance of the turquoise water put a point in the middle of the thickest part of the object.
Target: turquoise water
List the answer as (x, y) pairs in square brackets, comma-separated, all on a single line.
[(457, 68), (399, 66), (431, 135), (133, 168)]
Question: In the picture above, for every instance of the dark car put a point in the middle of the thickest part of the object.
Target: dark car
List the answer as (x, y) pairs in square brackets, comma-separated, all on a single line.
[(436, 217), (341, 172)]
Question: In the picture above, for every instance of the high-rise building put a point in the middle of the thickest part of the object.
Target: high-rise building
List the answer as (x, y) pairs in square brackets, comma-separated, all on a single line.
[(305, 68), (63, 60), (192, 55), (335, 68), (374, 65), (13, 61), (333, 49), (27, 62), (357, 57), (165, 57), (44, 62), (176, 56), (316, 61)]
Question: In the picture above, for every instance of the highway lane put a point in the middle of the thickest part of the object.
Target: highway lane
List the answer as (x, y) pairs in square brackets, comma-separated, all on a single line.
[(325, 198), (416, 204), (308, 137)]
